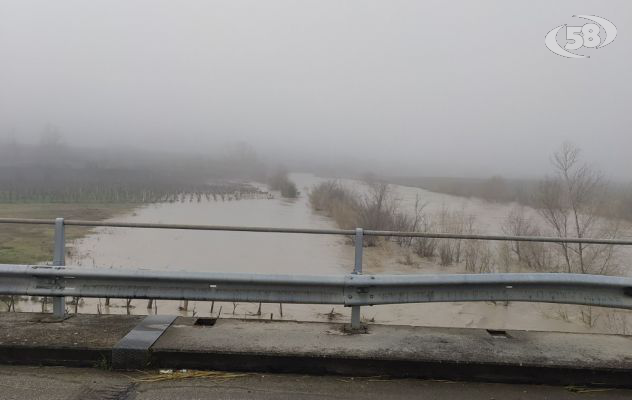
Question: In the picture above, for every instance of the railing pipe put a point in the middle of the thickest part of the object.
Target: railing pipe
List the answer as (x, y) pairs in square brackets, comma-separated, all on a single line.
[(343, 232)]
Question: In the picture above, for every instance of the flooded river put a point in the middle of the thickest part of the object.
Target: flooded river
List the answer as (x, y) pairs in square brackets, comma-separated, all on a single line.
[(175, 250), (221, 251)]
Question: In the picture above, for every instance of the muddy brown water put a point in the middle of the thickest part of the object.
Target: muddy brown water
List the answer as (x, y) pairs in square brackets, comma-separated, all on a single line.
[(176, 250)]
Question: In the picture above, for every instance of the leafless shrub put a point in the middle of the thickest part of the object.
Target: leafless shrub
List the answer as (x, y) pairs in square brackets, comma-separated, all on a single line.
[(377, 210), (419, 221), (407, 259), (534, 255), (618, 322), (479, 257), (446, 256), (589, 316), (504, 256), (332, 315), (456, 222), (562, 313), (9, 301), (517, 224), (425, 247), (76, 301)]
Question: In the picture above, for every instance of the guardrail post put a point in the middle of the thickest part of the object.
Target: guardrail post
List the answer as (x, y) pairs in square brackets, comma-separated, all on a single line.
[(357, 269), (59, 260)]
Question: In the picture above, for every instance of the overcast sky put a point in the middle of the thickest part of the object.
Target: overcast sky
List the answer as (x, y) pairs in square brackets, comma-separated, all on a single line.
[(457, 87)]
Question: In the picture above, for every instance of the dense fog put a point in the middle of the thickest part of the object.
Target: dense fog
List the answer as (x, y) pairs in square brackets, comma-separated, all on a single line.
[(400, 88)]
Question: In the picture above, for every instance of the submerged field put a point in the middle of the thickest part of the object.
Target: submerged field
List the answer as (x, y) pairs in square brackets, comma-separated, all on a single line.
[(29, 244)]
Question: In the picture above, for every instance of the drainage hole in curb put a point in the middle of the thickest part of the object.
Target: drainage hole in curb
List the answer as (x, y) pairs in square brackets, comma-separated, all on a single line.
[(498, 333), (205, 321)]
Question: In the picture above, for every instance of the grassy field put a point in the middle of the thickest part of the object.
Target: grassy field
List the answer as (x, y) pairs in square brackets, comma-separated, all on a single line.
[(28, 244)]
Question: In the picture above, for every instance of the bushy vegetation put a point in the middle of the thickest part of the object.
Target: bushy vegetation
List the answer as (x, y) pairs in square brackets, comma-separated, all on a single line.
[(375, 209), (281, 182), (337, 201), (567, 205)]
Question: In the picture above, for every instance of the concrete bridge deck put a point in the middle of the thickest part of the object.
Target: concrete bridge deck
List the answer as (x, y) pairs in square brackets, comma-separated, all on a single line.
[(326, 349)]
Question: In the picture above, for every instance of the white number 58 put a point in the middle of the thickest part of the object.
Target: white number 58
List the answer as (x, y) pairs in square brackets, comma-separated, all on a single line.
[(587, 36)]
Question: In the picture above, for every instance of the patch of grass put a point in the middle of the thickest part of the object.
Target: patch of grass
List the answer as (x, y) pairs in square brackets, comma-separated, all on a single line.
[(30, 244)]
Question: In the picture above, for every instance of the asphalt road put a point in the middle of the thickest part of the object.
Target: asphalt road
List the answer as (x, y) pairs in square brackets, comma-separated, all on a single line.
[(52, 383)]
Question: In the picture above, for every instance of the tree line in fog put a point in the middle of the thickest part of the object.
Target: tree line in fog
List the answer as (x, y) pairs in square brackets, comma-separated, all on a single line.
[(54, 172)]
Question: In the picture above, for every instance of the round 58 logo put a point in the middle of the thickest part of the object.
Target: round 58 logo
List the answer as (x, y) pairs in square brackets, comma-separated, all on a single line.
[(596, 34)]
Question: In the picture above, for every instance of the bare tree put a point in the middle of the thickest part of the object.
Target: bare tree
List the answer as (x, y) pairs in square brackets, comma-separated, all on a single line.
[(569, 203), (517, 224)]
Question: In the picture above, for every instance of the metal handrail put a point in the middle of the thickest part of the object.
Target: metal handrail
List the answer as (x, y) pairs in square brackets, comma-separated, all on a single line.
[(344, 232)]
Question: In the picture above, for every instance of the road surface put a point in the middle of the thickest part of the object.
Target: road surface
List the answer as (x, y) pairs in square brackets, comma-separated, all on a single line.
[(51, 383)]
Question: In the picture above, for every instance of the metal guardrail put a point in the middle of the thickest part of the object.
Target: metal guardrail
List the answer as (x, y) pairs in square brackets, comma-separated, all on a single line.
[(346, 290), (352, 290)]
